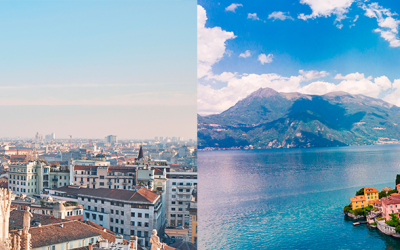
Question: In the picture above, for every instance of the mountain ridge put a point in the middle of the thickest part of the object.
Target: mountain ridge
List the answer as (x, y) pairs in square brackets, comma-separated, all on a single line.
[(300, 120)]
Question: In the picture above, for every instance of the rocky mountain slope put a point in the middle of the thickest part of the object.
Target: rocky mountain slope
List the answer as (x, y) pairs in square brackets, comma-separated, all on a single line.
[(269, 119)]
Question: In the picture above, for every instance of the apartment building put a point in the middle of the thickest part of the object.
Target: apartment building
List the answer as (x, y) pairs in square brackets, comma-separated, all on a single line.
[(125, 212), (32, 177), (111, 177), (180, 185)]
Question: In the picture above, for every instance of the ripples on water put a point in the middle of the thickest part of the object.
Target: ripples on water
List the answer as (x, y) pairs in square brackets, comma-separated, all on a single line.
[(290, 198)]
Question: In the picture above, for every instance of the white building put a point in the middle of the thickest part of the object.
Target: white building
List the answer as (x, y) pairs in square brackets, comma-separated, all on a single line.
[(125, 212), (180, 185)]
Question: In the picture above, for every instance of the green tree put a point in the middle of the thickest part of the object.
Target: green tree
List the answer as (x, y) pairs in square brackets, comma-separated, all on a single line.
[(347, 209), (360, 192), (397, 179), (382, 194), (392, 191), (359, 211)]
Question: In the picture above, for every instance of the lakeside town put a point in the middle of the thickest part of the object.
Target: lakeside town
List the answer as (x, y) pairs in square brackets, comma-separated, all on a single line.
[(377, 209), (98, 193)]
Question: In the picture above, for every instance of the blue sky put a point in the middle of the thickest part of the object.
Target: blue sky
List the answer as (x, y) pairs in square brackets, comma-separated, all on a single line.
[(306, 46), (80, 57)]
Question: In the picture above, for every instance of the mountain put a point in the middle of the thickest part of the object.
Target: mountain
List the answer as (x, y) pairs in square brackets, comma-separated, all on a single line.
[(269, 119)]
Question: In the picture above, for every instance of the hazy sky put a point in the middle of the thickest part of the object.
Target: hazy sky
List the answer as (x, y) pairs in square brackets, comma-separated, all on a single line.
[(94, 68), (308, 46)]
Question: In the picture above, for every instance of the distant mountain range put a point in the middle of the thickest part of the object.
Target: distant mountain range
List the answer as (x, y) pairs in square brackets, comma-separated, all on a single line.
[(269, 119)]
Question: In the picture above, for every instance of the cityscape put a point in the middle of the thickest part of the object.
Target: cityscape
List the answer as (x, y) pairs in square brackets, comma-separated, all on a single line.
[(122, 194)]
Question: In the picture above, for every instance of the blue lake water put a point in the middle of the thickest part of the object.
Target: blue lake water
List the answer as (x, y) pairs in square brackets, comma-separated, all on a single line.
[(290, 198)]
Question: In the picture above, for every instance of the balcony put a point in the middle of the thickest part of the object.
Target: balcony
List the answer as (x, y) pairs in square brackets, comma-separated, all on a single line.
[(54, 179), (184, 186), (184, 199), (125, 183), (94, 182), (109, 183), (82, 182)]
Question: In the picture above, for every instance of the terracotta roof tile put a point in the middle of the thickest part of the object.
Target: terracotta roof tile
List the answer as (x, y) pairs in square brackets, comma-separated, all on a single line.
[(142, 195)]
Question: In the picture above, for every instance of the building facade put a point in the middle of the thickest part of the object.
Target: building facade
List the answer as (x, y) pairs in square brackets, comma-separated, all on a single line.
[(125, 212), (180, 185)]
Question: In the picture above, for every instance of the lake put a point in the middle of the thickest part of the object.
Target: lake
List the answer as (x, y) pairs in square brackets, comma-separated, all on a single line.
[(290, 198)]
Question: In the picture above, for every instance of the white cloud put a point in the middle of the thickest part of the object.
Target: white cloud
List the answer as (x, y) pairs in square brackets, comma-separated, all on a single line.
[(212, 100), (211, 44), (394, 96), (353, 76), (253, 16), (312, 74), (279, 15), (265, 59), (318, 88), (339, 26), (233, 7), (355, 19), (389, 26), (246, 54), (325, 8), (354, 83)]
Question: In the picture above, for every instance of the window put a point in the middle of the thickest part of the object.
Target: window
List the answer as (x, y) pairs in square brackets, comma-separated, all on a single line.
[(102, 210), (112, 211), (180, 209), (116, 221), (88, 207), (139, 233), (122, 213), (173, 215), (146, 234), (173, 196), (173, 183), (94, 216), (139, 215), (122, 222), (132, 214), (146, 224), (116, 211), (101, 217), (122, 231), (173, 209), (101, 183), (86, 214), (111, 220), (102, 201), (173, 202), (132, 223), (139, 224), (146, 216), (112, 229), (132, 232)]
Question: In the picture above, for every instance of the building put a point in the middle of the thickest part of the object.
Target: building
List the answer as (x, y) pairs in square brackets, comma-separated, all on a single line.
[(180, 185), (125, 212), (192, 209), (112, 177), (368, 198), (32, 177), (111, 139), (390, 205), (63, 210)]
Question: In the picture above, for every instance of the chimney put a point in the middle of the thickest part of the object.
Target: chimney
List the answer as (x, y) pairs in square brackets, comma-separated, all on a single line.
[(105, 230), (90, 246), (61, 225)]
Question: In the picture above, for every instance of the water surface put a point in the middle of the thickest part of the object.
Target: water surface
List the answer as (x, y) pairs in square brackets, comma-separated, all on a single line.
[(290, 198)]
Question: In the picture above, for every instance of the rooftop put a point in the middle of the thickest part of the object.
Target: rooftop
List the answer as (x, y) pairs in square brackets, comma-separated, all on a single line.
[(142, 195)]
